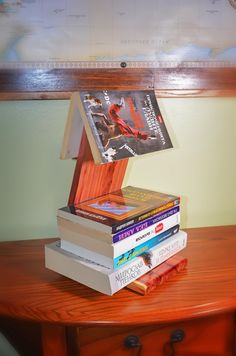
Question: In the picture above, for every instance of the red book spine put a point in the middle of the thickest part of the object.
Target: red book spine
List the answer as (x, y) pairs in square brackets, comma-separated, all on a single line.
[(159, 275)]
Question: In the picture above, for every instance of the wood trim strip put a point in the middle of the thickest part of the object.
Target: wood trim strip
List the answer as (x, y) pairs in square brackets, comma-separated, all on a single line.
[(10, 96), (21, 84)]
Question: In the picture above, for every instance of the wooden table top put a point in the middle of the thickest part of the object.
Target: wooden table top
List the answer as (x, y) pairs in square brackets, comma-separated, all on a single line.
[(30, 291)]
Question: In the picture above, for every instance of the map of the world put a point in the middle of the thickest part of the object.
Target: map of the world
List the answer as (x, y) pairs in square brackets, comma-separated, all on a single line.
[(111, 30)]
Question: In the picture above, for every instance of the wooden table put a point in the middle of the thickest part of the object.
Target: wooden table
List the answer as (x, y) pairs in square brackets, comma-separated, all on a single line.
[(203, 295)]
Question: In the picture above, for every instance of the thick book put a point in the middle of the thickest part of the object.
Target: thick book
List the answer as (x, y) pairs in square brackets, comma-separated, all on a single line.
[(112, 250), (121, 259), (119, 124), (106, 280), (159, 275), (116, 211)]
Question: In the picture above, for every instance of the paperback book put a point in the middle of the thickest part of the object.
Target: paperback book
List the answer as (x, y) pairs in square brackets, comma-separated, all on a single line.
[(120, 260), (69, 235), (72, 132), (118, 124), (106, 280), (116, 211)]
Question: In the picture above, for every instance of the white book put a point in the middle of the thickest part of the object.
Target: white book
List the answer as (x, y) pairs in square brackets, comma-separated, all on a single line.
[(70, 238), (106, 280), (125, 257), (73, 131)]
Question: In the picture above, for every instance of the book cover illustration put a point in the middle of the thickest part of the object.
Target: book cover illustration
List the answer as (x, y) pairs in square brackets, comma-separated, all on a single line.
[(125, 123), (140, 249), (121, 208), (114, 206)]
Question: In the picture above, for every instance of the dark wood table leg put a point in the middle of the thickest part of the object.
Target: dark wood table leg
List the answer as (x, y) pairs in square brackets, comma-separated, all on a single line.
[(54, 340)]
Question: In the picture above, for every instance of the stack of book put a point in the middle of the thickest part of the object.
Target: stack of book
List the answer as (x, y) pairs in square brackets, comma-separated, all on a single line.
[(108, 242)]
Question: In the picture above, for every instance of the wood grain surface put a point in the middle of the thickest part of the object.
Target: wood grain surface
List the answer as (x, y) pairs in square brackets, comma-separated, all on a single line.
[(91, 180), (208, 286), (20, 84), (204, 336)]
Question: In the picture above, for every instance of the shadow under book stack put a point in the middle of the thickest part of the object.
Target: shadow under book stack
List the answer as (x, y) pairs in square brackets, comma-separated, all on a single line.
[(111, 236)]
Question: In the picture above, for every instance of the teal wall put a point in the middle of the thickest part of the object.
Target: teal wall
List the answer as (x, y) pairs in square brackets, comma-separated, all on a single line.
[(201, 168)]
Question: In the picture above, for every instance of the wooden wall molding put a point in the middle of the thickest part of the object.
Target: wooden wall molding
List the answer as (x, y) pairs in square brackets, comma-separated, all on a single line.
[(22, 84)]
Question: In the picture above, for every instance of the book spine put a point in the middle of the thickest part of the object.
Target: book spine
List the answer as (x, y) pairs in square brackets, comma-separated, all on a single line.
[(147, 261), (158, 275), (145, 235), (135, 229), (108, 260), (91, 131), (141, 248), (74, 240), (144, 216)]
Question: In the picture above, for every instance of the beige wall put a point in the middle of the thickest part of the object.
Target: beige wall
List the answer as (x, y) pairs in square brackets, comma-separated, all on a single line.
[(33, 181), (201, 168)]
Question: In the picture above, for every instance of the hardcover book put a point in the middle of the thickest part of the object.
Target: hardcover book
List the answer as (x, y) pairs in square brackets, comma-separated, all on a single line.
[(118, 210), (119, 124), (106, 280), (126, 256)]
